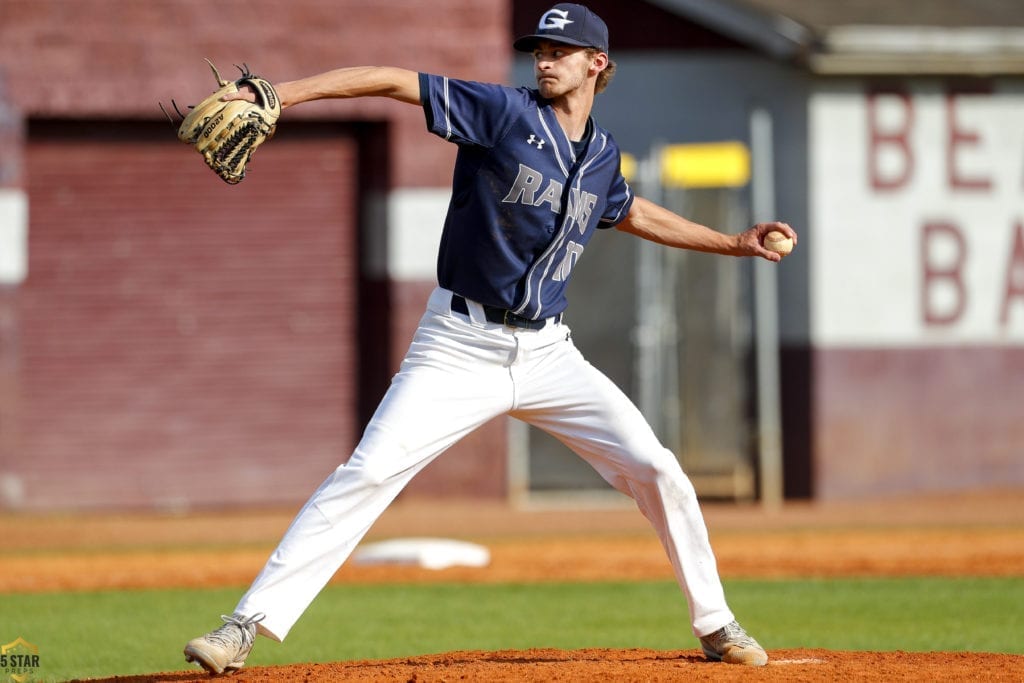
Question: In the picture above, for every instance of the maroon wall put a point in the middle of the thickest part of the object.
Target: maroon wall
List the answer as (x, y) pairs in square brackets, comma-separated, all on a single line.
[(898, 421), (181, 342)]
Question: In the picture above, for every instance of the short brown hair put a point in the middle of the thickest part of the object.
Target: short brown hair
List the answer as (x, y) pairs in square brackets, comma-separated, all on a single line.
[(606, 75)]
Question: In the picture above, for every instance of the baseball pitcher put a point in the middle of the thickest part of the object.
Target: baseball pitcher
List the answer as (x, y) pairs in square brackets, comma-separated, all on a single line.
[(536, 177)]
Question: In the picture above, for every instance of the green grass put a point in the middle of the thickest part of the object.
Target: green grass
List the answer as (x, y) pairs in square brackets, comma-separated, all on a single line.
[(130, 632)]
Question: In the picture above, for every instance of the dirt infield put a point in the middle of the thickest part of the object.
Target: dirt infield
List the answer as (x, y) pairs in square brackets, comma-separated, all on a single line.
[(979, 535), (583, 666)]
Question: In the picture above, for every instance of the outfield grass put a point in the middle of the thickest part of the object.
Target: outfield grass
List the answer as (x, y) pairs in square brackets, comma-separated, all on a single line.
[(129, 632)]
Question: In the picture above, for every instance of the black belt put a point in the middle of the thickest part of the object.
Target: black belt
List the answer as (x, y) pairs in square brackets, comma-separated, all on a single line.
[(500, 315)]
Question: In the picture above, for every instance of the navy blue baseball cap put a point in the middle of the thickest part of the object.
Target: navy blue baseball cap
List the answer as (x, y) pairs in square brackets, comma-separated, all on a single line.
[(567, 23)]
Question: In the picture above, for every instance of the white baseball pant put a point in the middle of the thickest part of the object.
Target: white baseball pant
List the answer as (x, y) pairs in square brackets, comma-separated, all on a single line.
[(461, 371)]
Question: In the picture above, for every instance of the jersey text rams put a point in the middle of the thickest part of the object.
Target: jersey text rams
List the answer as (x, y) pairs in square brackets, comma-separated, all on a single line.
[(525, 200)]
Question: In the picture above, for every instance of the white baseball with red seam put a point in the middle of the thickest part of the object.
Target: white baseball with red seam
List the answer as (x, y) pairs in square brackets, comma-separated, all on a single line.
[(778, 242)]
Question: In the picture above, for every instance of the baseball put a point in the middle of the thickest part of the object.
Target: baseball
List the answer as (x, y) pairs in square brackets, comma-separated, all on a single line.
[(778, 242)]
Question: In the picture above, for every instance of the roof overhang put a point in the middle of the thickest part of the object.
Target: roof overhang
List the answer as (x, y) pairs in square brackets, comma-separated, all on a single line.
[(919, 50), (776, 35), (868, 49)]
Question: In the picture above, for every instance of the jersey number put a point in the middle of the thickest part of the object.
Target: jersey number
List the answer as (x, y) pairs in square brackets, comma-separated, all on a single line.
[(572, 255)]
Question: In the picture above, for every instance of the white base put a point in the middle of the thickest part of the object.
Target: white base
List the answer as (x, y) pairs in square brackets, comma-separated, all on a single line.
[(428, 553)]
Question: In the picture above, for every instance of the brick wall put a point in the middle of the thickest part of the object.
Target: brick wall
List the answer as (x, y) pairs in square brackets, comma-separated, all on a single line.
[(172, 353), (118, 58), (149, 360)]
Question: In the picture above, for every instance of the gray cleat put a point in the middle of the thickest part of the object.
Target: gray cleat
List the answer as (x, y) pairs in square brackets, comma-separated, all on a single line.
[(226, 648), (732, 645)]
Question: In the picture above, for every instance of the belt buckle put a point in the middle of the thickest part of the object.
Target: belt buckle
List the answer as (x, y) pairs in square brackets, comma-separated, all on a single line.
[(510, 319)]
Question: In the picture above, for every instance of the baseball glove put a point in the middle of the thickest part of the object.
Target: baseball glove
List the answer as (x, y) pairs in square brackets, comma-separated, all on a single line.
[(227, 133)]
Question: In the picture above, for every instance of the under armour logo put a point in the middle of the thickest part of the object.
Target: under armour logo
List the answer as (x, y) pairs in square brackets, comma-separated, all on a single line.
[(534, 140), (555, 18)]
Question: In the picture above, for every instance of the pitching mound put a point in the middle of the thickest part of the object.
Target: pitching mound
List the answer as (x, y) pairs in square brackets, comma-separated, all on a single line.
[(537, 666)]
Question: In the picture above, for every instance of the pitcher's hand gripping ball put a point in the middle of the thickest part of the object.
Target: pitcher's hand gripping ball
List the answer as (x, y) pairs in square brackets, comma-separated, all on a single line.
[(778, 242), (227, 133)]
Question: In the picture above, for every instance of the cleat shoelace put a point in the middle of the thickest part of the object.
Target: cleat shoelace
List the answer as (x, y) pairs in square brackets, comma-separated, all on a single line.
[(236, 632), (730, 634)]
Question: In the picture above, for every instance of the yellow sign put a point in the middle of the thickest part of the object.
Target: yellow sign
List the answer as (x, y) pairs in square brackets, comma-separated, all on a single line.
[(628, 167), (712, 164), (19, 660), (698, 165)]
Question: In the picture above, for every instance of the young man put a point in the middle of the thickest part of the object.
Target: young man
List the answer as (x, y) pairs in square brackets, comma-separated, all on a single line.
[(535, 176)]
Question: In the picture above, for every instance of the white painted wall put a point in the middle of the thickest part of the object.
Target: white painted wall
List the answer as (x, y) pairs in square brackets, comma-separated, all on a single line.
[(13, 236), (917, 208), (414, 218)]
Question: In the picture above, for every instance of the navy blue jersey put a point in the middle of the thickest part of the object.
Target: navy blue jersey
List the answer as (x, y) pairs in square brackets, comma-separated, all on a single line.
[(523, 204)]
